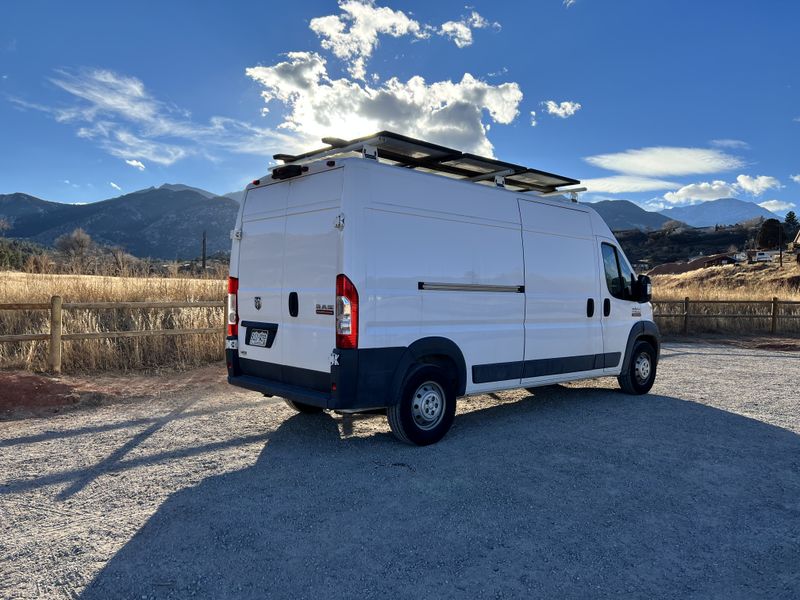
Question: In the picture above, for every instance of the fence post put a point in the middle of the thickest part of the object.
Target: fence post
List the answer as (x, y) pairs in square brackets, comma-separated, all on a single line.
[(55, 335), (774, 327), (686, 315)]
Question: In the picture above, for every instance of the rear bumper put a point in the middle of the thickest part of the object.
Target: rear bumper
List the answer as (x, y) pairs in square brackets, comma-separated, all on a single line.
[(358, 379), (276, 388)]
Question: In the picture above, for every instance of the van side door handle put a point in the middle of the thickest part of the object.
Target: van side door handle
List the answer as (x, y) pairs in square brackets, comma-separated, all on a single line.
[(590, 307), (606, 307), (294, 304)]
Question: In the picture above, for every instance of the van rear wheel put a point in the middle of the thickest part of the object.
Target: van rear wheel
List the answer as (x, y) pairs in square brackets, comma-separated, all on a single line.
[(426, 408), (307, 409), (641, 370)]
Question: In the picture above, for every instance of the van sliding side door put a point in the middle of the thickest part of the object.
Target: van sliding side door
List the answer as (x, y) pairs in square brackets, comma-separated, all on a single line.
[(563, 334)]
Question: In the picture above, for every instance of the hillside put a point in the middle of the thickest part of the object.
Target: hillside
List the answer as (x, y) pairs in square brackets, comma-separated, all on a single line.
[(621, 215), (658, 247), (157, 222), (725, 211)]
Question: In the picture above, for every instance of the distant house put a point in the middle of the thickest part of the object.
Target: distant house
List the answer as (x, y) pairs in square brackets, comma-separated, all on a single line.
[(701, 262), (794, 246)]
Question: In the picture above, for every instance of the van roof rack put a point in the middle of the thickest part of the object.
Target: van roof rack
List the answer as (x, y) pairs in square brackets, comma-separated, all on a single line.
[(433, 158)]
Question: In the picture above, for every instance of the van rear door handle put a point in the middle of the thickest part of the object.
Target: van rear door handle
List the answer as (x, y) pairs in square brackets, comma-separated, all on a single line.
[(606, 307), (590, 307), (294, 304)]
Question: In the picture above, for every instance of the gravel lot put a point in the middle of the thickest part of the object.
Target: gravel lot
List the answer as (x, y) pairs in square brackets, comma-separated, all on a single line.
[(575, 492)]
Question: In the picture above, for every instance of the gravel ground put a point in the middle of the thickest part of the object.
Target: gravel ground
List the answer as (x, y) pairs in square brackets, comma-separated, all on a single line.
[(575, 492)]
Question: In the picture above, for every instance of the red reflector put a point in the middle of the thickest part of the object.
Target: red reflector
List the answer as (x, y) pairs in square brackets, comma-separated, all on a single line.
[(256, 181), (333, 387)]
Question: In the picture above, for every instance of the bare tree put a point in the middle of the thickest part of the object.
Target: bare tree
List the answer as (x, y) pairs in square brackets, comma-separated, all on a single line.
[(4, 226), (76, 246)]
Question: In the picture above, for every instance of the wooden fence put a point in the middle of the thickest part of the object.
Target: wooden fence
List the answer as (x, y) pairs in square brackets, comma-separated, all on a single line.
[(673, 316), (56, 335), (753, 316)]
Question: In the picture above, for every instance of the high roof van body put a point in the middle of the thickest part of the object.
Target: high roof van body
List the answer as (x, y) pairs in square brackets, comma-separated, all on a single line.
[(358, 285)]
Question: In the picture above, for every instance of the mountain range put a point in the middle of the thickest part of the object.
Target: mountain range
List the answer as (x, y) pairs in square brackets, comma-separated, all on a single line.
[(622, 215), (168, 221), (725, 211), (165, 222)]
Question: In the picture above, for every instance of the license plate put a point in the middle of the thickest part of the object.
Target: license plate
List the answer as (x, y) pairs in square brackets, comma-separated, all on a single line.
[(258, 337)]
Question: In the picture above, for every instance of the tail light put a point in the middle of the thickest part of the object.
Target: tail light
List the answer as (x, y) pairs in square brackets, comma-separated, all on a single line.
[(233, 306), (346, 313)]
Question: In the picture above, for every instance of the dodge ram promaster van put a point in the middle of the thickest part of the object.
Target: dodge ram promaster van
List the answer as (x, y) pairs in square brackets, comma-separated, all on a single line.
[(394, 274)]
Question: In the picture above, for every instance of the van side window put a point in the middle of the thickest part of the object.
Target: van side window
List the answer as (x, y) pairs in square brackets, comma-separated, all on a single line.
[(618, 273)]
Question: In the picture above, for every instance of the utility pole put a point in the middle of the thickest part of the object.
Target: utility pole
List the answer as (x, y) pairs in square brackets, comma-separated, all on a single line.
[(204, 251)]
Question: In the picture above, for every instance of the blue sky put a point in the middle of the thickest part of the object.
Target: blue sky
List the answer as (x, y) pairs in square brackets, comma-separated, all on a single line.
[(664, 102)]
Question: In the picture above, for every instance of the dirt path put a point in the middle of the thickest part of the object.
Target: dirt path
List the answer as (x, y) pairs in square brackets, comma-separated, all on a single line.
[(206, 491)]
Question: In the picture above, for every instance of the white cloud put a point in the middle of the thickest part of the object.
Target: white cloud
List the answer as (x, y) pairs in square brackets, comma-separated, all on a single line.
[(534, 122), (446, 112), (353, 35), (621, 184), (115, 186), (731, 144), (777, 206), (461, 31), (569, 3), (663, 161), (136, 164), (757, 185), (122, 117), (119, 114), (700, 192), (563, 110), (795, 178)]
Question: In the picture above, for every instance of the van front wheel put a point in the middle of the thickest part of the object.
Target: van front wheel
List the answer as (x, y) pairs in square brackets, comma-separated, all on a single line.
[(641, 370), (426, 408), (307, 409)]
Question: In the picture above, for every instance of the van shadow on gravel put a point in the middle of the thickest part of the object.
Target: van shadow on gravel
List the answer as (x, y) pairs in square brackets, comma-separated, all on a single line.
[(576, 493)]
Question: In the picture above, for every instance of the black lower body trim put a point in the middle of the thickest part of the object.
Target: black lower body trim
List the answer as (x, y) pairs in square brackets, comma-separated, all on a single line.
[(360, 378), (319, 381), (276, 388), (524, 369)]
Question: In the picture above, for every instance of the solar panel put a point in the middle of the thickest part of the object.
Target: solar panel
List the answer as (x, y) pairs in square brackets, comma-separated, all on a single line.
[(434, 158)]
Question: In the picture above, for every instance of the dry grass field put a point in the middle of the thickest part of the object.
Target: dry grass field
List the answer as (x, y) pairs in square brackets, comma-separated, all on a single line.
[(152, 353), (761, 281), (746, 282)]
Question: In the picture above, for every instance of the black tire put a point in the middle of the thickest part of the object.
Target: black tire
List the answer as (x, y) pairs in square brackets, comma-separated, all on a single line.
[(306, 409), (639, 379), (426, 408)]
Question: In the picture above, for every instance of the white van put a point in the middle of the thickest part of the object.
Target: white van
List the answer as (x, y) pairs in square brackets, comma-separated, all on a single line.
[(363, 279)]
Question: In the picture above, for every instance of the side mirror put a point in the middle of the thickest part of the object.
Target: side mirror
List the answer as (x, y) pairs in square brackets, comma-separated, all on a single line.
[(643, 290)]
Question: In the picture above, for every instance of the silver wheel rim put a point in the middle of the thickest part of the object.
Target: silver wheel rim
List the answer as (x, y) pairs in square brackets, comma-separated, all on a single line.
[(642, 367), (427, 405)]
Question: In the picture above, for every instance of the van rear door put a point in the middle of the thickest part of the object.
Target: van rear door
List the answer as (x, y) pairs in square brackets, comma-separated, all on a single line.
[(312, 259), (261, 275), (288, 261)]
